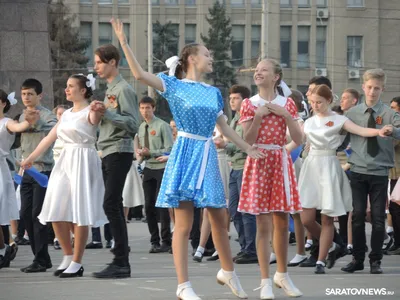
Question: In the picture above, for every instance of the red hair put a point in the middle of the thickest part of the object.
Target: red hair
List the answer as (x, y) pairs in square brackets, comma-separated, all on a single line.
[(323, 91)]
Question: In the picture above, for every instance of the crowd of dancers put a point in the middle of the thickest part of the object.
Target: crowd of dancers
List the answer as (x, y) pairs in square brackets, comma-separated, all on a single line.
[(99, 145)]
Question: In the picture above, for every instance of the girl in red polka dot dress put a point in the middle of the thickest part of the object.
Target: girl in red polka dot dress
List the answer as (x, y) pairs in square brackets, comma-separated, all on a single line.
[(269, 188)]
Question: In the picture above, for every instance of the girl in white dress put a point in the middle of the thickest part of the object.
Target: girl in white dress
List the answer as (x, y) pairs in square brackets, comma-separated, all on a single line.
[(323, 184), (75, 189), (8, 201)]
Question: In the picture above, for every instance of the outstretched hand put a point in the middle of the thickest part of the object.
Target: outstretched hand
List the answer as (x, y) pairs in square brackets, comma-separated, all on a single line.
[(118, 29)]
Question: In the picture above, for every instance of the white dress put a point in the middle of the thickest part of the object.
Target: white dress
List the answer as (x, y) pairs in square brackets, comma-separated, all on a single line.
[(323, 184), (8, 201), (75, 190), (133, 194)]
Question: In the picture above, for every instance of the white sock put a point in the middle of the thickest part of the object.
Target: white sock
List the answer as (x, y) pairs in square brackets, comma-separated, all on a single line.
[(309, 242), (389, 229), (112, 243), (298, 258), (281, 275), (215, 253), (55, 240), (26, 237), (73, 267), (349, 246), (332, 248), (13, 236), (320, 263), (184, 285), (94, 242), (65, 262), (228, 273), (199, 251), (272, 257)]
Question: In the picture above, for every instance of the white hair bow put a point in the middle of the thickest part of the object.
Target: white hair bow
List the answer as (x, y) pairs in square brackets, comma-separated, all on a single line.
[(171, 64), (285, 89), (11, 98), (91, 82)]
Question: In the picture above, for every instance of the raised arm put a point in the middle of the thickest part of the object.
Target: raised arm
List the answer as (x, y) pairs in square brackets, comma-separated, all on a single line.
[(137, 71), (14, 126), (349, 126)]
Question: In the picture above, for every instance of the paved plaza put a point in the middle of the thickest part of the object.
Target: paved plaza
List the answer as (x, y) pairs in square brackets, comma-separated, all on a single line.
[(153, 277)]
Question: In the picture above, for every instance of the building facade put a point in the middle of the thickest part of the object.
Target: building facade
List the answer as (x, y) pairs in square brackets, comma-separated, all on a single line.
[(339, 39)]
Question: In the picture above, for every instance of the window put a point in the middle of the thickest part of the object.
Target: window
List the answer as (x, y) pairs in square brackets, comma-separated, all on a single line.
[(256, 3), (104, 1), (175, 41), (123, 1), (237, 45), (190, 2), (303, 42), (155, 2), (355, 3), (286, 3), (255, 41), (85, 1), (105, 33), (321, 47), (124, 62), (190, 33), (171, 2), (354, 51), (237, 3), (85, 33), (286, 32), (304, 3), (322, 3)]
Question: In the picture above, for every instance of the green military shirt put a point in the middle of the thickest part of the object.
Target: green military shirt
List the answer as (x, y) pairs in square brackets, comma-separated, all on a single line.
[(236, 156), (160, 141), (360, 160), (120, 121), (31, 138)]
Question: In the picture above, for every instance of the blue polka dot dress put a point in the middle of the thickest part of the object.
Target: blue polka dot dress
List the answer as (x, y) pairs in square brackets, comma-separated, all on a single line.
[(195, 107)]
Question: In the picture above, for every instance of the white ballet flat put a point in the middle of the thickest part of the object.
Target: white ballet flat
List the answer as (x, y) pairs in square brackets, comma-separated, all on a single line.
[(287, 285), (233, 282), (266, 289), (185, 292)]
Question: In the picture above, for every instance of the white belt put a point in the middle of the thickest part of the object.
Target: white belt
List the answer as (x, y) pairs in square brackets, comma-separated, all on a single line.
[(286, 181), (205, 153), (316, 152), (73, 145)]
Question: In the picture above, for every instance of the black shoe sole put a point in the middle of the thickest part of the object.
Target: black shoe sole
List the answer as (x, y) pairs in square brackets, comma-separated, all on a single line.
[(111, 277)]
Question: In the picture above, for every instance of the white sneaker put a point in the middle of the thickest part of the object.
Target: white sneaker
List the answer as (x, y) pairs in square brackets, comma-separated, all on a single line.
[(284, 282), (185, 292), (233, 282), (266, 289)]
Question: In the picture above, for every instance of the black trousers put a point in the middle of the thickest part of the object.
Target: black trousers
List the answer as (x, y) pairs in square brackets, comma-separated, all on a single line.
[(96, 234), (115, 167), (151, 186), (195, 232), (376, 187), (394, 210), (32, 197), (6, 233)]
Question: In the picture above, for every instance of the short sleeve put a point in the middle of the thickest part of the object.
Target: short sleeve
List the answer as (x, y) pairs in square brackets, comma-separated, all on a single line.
[(220, 103), (247, 111), (292, 109), (170, 85)]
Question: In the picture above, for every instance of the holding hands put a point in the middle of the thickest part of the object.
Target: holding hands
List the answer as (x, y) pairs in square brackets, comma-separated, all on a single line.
[(31, 116), (386, 131), (98, 106)]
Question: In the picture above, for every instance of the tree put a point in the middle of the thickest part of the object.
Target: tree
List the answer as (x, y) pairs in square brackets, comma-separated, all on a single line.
[(66, 47), (219, 42)]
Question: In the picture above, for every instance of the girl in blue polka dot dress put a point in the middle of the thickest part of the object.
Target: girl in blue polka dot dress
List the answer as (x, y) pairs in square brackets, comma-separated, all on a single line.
[(192, 177)]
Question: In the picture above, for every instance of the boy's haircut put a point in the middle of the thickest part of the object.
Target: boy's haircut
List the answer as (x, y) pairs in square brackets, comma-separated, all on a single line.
[(240, 89), (318, 80), (397, 100), (63, 106), (32, 83), (107, 53), (353, 92), (377, 74), (337, 109), (298, 99), (147, 100)]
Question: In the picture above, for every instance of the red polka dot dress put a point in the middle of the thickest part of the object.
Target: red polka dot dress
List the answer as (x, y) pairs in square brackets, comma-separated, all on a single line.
[(266, 187)]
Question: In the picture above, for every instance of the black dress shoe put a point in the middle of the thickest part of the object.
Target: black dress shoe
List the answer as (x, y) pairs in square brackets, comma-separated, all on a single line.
[(165, 248), (56, 245), (49, 265), (92, 245), (353, 266), (155, 248), (22, 241), (14, 250), (319, 269), (386, 246), (309, 263), (79, 273), (5, 259), (34, 268), (332, 257), (237, 256), (58, 272), (198, 258), (108, 244), (292, 238), (213, 258), (375, 267), (394, 251), (114, 271), (209, 252), (247, 259)]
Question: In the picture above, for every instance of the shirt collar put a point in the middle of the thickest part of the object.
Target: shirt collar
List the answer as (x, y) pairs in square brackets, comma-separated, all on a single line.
[(152, 120), (258, 101), (375, 108), (113, 83), (192, 81)]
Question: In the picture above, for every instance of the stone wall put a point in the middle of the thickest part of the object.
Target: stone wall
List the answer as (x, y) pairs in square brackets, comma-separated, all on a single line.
[(24, 47)]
